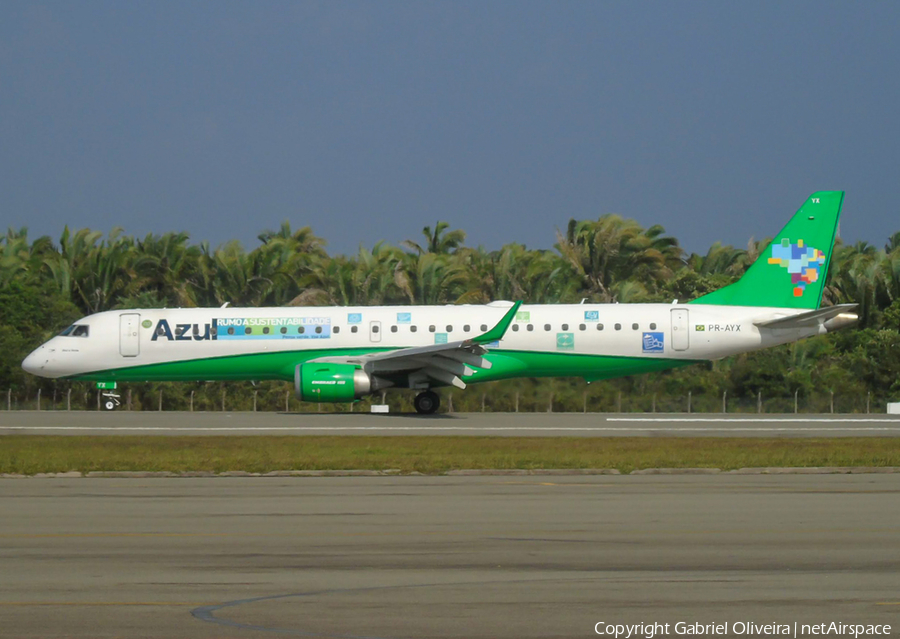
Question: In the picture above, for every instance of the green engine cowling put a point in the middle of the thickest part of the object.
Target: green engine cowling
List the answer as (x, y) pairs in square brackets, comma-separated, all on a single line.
[(331, 382)]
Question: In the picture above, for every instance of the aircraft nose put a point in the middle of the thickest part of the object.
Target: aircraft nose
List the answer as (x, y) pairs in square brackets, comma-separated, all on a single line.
[(35, 362)]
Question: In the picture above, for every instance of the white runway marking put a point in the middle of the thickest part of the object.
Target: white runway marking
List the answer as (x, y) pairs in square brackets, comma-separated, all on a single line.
[(757, 420), (238, 429)]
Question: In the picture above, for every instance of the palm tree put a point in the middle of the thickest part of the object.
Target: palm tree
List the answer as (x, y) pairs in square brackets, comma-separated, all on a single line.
[(613, 249), (93, 275), (437, 241), (853, 278), (430, 278), (167, 269), (20, 259)]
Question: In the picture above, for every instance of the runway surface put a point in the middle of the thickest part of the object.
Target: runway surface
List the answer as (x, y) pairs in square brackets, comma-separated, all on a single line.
[(443, 556), (493, 424)]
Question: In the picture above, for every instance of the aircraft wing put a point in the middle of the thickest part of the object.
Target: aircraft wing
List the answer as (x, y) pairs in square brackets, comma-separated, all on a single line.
[(807, 319), (444, 363)]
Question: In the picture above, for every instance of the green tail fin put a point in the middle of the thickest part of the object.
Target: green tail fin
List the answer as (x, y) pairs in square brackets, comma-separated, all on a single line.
[(790, 273)]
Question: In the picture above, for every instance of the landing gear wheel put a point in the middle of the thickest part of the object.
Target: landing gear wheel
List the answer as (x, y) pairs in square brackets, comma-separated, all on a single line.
[(110, 405), (427, 402)]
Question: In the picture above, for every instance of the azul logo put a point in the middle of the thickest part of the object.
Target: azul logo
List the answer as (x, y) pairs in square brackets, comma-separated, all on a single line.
[(354, 318), (184, 332), (721, 328), (565, 341), (591, 316), (804, 263), (654, 342), (404, 318), (245, 328)]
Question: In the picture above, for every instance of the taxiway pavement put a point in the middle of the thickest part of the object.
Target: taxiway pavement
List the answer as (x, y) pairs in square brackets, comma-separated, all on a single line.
[(442, 556)]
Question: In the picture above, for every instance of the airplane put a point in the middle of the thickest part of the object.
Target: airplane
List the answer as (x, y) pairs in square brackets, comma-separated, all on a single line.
[(342, 354)]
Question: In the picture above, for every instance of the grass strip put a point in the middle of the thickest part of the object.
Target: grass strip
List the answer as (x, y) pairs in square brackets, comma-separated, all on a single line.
[(30, 454)]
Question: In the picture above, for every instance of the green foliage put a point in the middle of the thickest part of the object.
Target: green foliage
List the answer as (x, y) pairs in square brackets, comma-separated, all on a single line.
[(29, 315), (44, 285)]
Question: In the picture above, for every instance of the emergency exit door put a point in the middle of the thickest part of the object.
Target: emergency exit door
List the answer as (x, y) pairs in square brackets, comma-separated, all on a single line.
[(129, 334), (680, 332), (374, 331)]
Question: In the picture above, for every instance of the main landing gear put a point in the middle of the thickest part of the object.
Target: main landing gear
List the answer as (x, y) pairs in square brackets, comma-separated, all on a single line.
[(427, 402)]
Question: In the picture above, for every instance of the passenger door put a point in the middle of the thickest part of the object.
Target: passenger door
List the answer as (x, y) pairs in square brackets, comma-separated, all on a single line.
[(680, 333), (374, 331), (129, 337)]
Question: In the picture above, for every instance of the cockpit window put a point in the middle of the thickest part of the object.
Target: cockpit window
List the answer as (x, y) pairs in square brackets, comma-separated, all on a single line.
[(67, 330), (80, 331)]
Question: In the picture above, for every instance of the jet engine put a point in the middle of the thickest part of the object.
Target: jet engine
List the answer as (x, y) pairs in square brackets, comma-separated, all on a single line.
[(841, 321), (331, 382)]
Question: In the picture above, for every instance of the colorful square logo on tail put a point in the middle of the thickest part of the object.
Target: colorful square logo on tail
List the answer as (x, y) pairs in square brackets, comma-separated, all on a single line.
[(565, 341), (803, 263), (654, 342), (591, 316), (354, 318)]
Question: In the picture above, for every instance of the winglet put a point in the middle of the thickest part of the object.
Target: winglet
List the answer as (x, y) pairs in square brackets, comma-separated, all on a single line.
[(497, 333)]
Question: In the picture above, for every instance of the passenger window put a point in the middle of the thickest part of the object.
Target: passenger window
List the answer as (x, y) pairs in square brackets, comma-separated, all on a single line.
[(230, 330), (618, 327), (318, 329), (393, 329), (431, 328), (248, 330), (215, 331), (265, 330), (467, 328), (565, 327), (652, 326), (80, 331), (354, 329), (413, 329), (449, 328), (336, 329), (581, 327), (484, 328), (546, 327), (515, 327), (599, 327), (301, 329), (634, 327), (375, 328), (530, 327)]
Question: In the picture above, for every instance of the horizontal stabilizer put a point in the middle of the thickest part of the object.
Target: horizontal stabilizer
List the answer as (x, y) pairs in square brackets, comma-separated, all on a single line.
[(807, 319)]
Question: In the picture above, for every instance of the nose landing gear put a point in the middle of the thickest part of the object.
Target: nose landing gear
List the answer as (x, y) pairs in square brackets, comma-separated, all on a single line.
[(111, 400), (427, 402)]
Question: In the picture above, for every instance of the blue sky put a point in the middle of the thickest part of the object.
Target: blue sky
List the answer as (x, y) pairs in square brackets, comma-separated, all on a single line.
[(369, 120)]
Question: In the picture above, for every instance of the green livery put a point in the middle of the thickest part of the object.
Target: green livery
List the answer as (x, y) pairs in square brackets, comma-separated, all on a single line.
[(506, 364), (791, 272), (499, 330)]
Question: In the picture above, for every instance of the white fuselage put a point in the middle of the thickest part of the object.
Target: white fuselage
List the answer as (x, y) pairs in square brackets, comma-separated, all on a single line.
[(134, 338)]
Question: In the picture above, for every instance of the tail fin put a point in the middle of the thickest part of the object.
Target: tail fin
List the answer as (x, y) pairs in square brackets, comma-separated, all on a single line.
[(790, 273)]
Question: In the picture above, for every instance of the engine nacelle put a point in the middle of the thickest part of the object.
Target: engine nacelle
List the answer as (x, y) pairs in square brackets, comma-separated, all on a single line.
[(331, 382)]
